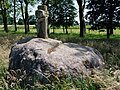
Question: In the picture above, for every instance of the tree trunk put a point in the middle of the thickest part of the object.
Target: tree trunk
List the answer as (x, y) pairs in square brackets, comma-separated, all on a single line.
[(53, 29), (111, 18), (1, 7), (22, 11), (84, 28), (66, 29), (107, 28), (63, 29), (26, 19), (22, 14), (5, 17), (81, 17), (81, 21), (108, 33), (15, 15)]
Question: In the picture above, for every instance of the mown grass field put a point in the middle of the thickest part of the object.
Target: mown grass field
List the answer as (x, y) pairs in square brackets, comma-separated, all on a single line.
[(106, 79)]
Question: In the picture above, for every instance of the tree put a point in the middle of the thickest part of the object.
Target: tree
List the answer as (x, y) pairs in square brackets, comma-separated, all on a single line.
[(10, 20), (20, 21), (26, 21), (1, 20), (67, 13), (81, 4), (15, 24), (103, 14), (3, 6), (45, 2), (14, 11), (62, 13), (32, 20), (25, 15)]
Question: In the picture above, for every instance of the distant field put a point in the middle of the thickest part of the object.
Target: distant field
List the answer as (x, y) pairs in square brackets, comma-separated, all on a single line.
[(75, 29), (74, 32), (71, 30)]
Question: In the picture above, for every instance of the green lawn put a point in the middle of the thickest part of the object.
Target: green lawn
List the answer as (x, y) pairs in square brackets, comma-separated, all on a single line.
[(73, 32)]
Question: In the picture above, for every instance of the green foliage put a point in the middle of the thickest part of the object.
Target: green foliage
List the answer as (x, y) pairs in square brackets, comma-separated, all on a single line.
[(6, 82), (10, 20), (32, 20), (62, 13), (20, 22), (100, 10)]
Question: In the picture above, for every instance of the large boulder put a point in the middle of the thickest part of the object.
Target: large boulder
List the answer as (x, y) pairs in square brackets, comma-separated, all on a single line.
[(48, 57)]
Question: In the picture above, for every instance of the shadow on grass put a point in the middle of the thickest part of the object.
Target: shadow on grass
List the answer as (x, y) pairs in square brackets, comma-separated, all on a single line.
[(75, 38)]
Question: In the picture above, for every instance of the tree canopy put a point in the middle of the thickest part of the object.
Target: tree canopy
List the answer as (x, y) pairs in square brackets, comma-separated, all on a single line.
[(62, 13), (104, 14)]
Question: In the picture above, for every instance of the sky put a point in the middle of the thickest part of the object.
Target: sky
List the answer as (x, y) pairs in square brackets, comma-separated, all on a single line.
[(76, 5)]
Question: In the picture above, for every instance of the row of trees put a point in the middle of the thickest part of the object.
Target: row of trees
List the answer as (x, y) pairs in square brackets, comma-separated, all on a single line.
[(10, 20), (101, 14), (61, 12), (15, 8), (68, 4)]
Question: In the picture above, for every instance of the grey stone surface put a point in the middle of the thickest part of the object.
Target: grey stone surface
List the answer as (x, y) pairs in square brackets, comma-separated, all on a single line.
[(46, 57), (42, 21)]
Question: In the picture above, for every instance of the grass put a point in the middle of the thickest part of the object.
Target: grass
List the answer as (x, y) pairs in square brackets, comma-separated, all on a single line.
[(105, 79)]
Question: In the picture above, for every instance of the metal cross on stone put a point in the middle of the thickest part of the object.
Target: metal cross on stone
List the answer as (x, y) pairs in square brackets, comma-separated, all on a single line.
[(42, 21)]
